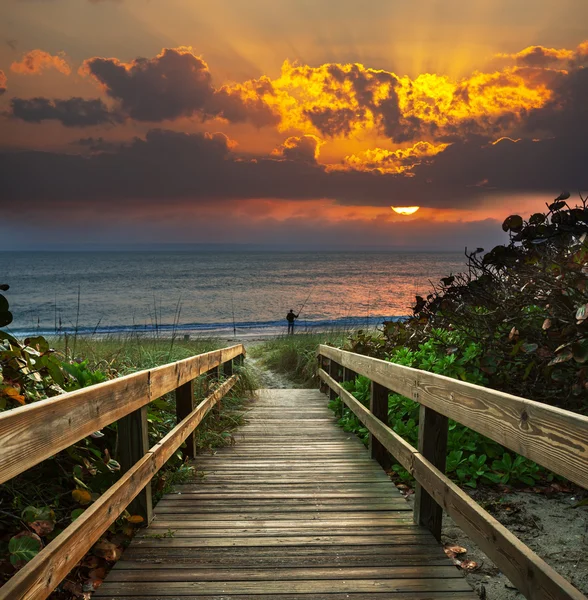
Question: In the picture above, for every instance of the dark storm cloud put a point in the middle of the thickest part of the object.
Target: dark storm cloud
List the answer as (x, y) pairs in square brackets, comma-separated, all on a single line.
[(176, 83), (195, 168), (566, 114), (72, 112)]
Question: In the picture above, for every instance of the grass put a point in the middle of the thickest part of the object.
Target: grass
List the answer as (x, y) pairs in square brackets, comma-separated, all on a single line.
[(295, 355), (120, 355)]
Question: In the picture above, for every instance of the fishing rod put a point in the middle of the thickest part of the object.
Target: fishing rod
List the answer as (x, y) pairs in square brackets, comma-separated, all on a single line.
[(304, 304)]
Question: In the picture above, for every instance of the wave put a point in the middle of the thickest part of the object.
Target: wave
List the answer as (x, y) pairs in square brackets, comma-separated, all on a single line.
[(240, 327)]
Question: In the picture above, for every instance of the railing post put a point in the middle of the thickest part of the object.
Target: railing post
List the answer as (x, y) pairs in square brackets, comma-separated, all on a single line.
[(323, 364), (133, 444), (334, 373), (379, 408), (433, 429), (184, 406), (228, 369)]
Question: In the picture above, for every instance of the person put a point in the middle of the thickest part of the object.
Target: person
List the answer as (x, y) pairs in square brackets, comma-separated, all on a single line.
[(290, 317)]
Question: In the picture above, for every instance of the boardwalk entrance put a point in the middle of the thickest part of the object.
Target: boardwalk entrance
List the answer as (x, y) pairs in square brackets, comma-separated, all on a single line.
[(295, 509)]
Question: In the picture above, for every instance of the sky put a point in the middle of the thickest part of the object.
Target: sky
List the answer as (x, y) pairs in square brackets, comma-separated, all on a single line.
[(287, 123)]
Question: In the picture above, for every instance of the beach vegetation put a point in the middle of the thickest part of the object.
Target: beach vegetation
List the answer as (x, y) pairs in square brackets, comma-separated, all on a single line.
[(295, 355)]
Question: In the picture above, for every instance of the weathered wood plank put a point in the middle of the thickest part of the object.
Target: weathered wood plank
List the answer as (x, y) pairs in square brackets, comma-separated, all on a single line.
[(273, 587), (552, 437), (286, 574)]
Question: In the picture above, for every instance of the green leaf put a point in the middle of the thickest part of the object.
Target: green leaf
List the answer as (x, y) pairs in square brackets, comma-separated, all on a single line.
[(23, 547)]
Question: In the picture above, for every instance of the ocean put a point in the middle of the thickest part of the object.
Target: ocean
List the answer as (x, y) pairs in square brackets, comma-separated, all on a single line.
[(213, 293)]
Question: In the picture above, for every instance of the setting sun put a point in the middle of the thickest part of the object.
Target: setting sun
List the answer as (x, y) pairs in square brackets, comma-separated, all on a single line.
[(405, 210)]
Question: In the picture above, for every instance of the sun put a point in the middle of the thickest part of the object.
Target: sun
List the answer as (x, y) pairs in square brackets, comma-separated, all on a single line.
[(405, 210)]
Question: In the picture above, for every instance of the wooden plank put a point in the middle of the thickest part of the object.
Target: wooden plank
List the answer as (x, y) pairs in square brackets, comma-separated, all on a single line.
[(345, 596), (274, 517), (133, 445), (244, 560), (267, 523), (32, 433), (433, 429), (37, 579), (528, 572), (381, 554), (556, 439), (184, 406), (175, 589), (155, 573), (196, 530), (304, 541)]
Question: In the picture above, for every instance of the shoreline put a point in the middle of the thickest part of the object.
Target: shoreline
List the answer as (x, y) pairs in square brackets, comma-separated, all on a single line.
[(225, 331)]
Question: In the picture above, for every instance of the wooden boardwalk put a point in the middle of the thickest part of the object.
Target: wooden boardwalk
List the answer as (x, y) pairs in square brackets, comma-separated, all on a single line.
[(294, 510)]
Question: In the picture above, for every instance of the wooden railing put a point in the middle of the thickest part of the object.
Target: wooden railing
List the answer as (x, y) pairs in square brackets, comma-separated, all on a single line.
[(554, 438), (30, 434)]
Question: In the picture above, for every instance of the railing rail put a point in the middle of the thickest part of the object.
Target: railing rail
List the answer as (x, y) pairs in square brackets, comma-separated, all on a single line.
[(554, 438), (30, 434)]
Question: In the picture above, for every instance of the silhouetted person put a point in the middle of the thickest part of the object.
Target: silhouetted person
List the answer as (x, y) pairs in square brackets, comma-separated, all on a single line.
[(291, 317)]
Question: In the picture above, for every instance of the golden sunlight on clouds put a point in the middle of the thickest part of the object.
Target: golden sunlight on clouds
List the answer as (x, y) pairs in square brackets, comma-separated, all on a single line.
[(346, 100), (35, 61), (393, 161), (405, 210)]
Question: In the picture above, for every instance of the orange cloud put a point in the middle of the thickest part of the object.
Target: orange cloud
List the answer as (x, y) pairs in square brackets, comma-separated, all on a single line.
[(539, 56), (350, 100), (35, 61), (3, 81), (393, 161)]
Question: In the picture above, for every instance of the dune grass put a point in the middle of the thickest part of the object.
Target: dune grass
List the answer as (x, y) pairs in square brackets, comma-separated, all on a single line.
[(295, 355), (126, 354)]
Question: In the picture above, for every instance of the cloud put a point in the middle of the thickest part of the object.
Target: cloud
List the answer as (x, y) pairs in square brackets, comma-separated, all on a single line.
[(351, 100), (167, 167), (3, 81), (394, 161), (36, 61), (303, 149), (545, 58), (174, 84), (539, 56), (73, 112)]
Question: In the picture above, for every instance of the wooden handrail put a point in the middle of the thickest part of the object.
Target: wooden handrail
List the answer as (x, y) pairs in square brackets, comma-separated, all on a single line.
[(32, 433), (534, 578), (552, 437), (39, 577)]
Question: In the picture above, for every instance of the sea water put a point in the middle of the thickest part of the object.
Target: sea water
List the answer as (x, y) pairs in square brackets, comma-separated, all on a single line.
[(207, 292)]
